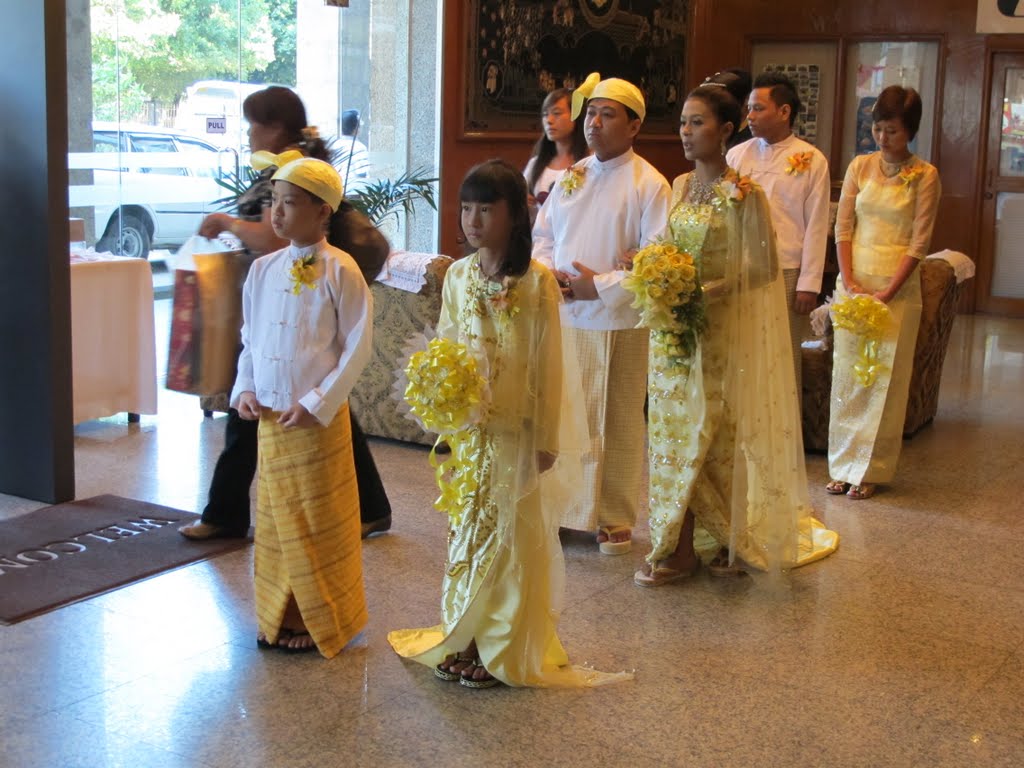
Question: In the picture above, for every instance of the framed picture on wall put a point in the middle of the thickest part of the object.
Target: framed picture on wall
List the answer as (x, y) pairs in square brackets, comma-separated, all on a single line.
[(517, 52), (811, 66), (873, 66)]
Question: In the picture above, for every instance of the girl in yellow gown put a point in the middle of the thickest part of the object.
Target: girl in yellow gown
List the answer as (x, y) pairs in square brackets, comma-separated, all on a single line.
[(501, 594), (886, 214), (725, 445)]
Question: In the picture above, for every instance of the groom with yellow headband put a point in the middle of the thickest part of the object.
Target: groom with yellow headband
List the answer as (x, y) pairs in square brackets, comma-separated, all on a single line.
[(600, 211)]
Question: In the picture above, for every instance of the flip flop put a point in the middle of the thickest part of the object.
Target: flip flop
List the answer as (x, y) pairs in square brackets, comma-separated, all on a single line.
[(609, 547), (446, 674), (469, 682), (660, 575), (720, 568)]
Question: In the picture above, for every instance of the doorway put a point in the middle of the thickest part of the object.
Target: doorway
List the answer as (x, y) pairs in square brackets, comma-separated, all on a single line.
[(1001, 256)]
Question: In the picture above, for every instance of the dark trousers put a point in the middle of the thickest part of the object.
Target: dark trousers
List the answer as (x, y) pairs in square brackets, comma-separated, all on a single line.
[(228, 504)]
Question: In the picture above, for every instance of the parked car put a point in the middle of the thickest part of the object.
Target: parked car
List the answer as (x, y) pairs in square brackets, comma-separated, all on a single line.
[(150, 202)]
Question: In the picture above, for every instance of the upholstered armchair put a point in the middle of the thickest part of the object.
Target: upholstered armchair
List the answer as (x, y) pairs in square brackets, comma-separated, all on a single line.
[(398, 314)]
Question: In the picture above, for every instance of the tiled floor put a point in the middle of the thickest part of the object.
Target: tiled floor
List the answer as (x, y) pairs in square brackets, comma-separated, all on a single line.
[(906, 648)]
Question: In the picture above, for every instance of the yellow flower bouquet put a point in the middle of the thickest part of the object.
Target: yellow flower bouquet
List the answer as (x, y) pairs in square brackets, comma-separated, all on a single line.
[(666, 289), (870, 319), (447, 392)]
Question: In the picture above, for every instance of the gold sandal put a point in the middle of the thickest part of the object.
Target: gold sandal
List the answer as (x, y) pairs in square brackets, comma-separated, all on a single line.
[(862, 491)]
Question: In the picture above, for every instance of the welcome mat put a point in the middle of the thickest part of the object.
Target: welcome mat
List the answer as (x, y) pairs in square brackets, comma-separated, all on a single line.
[(68, 552)]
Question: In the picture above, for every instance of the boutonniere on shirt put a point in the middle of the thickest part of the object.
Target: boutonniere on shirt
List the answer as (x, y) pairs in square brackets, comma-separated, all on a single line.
[(572, 180), (799, 163), (303, 273), (910, 174), (735, 187)]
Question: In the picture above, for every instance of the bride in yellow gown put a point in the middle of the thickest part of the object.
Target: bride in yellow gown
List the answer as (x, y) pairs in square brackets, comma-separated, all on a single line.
[(502, 587), (726, 450)]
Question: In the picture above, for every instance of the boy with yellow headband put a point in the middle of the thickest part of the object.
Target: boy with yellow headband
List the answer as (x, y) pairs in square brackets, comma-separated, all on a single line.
[(602, 209), (307, 333)]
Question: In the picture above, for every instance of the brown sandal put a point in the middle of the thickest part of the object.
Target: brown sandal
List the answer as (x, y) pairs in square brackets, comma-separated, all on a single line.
[(720, 568)]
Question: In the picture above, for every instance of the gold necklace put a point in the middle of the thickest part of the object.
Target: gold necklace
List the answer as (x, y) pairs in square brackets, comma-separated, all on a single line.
[(890, 169), (701, 193), (492, 276)]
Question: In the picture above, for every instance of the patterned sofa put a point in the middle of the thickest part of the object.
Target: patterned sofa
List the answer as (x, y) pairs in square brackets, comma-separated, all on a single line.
[(939, 294), (397, 315)]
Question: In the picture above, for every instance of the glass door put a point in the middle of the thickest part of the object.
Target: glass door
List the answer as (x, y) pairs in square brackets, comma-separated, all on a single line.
[(1001, 259)]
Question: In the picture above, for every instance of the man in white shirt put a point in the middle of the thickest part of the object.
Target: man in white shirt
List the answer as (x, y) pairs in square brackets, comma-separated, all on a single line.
[(794, 175), (604, 207)]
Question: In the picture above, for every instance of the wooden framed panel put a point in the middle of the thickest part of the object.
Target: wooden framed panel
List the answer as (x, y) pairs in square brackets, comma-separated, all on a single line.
[(517, 52)]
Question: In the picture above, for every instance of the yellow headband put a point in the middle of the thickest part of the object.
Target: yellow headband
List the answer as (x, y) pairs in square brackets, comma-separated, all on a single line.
[(613, 88), (314, 176), (262, 160)]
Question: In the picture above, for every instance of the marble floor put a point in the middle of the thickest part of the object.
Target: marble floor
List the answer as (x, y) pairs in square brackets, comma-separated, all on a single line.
[(906, 648)]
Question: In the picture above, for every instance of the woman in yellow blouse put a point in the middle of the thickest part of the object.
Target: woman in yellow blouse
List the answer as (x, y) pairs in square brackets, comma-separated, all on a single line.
[(886, 215)]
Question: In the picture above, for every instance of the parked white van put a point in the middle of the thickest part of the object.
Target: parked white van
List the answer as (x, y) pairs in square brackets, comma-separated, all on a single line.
[(212, 109)]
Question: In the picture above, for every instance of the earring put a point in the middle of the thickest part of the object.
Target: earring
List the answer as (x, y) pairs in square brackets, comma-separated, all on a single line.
[(723, 148)]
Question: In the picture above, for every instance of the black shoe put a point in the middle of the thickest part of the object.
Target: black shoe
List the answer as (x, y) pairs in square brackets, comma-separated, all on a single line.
[(377, 526)]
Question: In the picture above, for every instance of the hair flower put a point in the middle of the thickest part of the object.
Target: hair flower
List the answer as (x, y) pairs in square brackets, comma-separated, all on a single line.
[(735, 187), (572, 180), (303, 273), (310, 133), (799, 163)]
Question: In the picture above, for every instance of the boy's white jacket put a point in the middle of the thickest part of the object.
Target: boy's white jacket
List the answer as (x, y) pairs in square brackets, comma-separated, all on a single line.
[(308, 347)]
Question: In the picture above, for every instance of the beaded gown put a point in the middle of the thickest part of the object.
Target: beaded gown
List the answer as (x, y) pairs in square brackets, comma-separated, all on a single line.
[(724, 431)]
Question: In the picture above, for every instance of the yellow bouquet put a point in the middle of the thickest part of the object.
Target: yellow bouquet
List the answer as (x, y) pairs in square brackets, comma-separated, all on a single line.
[(666, 289), (866, 317), (447, 392)]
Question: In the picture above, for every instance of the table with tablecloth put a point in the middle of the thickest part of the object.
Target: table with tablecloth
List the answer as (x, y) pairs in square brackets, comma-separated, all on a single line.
[(112, 337)]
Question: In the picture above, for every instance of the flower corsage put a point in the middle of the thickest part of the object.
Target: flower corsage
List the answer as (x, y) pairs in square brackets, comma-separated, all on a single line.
[(866, 317), (735, 187), (572, 179), (666, 290), (303, 273), (799, 163), (911, 174)]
